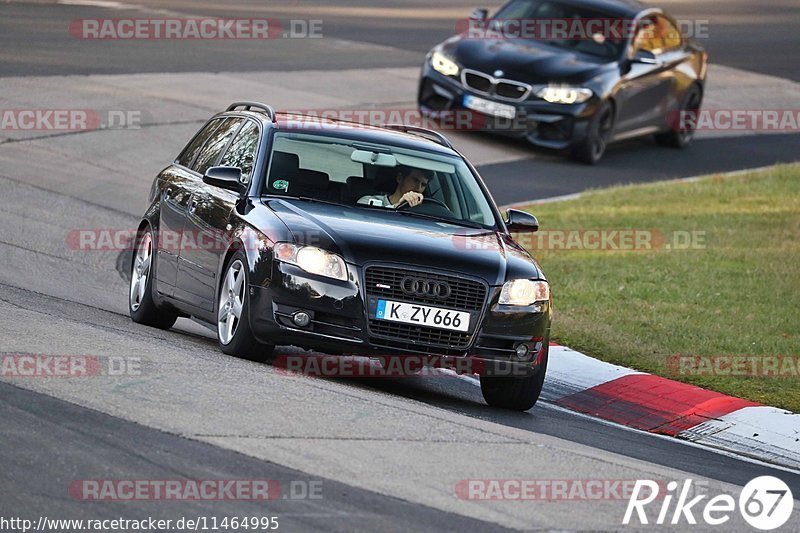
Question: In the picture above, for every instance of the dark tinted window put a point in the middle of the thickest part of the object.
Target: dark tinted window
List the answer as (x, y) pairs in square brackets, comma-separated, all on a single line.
[(215, 145), (242, 152), (187, 156)]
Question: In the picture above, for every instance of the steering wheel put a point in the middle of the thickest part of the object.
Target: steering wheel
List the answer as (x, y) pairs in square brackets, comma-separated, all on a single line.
[(424, 199), (430, 206)]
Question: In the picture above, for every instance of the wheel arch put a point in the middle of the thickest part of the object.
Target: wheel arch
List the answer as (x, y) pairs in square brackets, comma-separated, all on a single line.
[(245, 239)]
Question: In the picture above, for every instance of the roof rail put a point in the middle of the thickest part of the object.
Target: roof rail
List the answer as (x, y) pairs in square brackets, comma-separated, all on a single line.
[(434, 136), (268, 109)]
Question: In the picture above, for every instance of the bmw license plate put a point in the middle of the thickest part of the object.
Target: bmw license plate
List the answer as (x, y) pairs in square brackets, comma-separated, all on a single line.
[(422, 315), (488, 107)]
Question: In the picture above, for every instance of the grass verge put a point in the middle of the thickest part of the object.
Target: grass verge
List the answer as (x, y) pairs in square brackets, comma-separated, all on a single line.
[(720, 278)]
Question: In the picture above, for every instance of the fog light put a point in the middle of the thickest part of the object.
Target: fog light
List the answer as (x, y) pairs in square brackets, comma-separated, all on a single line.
[(301, 319), (522, 351)]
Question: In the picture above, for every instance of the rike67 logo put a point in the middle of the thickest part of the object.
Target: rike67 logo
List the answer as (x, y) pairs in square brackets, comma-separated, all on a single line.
[(765, 503)]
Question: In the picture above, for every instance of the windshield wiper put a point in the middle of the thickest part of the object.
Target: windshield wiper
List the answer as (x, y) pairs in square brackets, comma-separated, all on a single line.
[(309, 199), (454, 221)]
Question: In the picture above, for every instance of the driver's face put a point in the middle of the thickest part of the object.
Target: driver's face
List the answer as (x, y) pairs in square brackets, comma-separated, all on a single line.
[(414, 181)]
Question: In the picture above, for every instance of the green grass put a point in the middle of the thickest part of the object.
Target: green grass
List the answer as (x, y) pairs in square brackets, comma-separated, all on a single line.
[(736, 294)]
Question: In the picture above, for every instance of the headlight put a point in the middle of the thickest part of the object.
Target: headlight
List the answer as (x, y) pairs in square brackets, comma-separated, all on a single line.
[(524, 292), (445, 65), (312, 259), (563, 95)]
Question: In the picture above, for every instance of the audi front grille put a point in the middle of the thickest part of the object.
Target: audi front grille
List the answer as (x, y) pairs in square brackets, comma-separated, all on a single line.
[(464, 295)]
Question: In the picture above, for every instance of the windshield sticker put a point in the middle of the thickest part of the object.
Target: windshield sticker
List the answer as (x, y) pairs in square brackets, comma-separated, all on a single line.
[(280, 185)]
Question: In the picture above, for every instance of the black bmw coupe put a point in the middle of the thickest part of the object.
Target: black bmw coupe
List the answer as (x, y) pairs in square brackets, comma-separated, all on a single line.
[(570, 74), (283, 229)]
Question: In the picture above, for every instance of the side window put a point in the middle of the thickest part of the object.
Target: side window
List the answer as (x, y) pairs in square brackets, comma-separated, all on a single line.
[(670, 35), (242, 152), (187, 156), (647, 37), (215, 145)]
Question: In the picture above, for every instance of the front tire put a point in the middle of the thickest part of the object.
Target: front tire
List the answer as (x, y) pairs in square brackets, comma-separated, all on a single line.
[(142, 307), (601, 126), (233, 314), (516, 394)]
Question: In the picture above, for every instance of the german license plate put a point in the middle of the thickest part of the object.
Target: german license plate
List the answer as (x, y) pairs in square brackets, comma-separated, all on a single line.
[(422, 315), (488, 107)]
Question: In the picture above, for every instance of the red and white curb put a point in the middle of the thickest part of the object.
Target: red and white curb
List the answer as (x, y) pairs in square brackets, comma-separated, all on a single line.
[(659, 405)]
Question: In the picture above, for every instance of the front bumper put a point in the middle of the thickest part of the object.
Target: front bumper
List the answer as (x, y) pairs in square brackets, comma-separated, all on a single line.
[(555, 126), (340, 324)]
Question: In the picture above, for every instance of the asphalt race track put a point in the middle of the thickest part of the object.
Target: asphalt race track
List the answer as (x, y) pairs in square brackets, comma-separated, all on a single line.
[(388, 454)]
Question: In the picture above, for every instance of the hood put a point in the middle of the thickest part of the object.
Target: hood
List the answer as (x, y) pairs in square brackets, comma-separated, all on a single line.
[(361, 236), (526, 61)]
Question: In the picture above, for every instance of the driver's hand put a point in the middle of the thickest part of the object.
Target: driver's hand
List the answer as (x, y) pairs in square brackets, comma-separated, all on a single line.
[(412, 198)]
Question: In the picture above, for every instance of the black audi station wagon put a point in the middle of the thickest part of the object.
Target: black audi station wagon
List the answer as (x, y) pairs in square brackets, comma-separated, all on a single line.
[(284, 229)]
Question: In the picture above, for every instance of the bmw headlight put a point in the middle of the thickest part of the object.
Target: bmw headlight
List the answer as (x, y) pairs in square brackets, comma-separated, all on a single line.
[(524, 292), (312, 259), (445, 65), (563, 94)]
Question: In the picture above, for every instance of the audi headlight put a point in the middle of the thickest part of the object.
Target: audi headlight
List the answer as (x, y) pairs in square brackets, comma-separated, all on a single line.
[(312, 259), (445, 65), (563, 95), (524, 292)]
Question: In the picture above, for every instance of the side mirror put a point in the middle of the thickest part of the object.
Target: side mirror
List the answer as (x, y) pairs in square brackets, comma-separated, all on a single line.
[(225, 178), (645, 56), (479, 14), (521, 222)]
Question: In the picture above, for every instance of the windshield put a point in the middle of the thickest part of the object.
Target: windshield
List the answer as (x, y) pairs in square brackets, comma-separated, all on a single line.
[(373, 176), (563, 25)]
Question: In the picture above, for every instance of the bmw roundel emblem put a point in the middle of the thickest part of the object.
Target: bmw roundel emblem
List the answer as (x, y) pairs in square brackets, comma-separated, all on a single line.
[(498, 73)]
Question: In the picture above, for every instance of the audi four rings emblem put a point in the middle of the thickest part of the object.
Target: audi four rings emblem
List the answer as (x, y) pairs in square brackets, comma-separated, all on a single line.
[(423, 287)]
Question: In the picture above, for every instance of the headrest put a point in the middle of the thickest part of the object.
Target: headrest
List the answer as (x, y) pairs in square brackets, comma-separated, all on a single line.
[(308, 182), (386, 179), (284, 165), (358, 186)]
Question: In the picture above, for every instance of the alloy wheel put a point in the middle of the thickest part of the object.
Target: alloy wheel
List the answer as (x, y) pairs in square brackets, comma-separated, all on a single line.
[(141, 271), (231, 301)]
